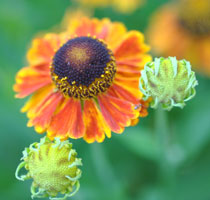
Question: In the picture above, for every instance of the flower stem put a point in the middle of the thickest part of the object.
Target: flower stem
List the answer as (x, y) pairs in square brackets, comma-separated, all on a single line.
[(167, 170)]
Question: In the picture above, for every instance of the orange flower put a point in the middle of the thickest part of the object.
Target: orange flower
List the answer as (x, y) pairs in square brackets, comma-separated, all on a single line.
[(122, 6), (183, 30), (84, 81)]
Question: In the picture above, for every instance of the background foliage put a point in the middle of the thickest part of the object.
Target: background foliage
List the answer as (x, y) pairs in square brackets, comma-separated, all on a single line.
[(146, 162)]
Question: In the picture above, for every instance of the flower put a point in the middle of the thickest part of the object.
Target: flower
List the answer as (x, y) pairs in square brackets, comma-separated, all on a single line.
[(84, 82), (122, 6), (53, 166), (94, 3), (168, 81), (183, 30)]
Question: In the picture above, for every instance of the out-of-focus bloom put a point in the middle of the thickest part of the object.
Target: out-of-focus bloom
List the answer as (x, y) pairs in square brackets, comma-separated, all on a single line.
[(74, 14), (127, 6), (94, 3), (123, 6), (169, 82), (183, 30), (84, 81), (53, 166)]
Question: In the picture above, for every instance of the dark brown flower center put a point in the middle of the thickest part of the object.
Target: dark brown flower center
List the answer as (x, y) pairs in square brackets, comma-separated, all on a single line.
[(83, 67)]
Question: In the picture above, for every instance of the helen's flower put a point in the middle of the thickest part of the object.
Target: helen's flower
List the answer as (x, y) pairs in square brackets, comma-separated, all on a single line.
[(84, 81), (94, 3), (53, 166), (169, 82), (122, 6), (183, 30)]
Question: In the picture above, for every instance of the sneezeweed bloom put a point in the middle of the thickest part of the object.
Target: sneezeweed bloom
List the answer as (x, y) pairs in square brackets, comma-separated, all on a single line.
[(53, 166), (127, 6), (74, 14), (169, 82), (94, 3), (183, 30), (84, 82), (122, 6)]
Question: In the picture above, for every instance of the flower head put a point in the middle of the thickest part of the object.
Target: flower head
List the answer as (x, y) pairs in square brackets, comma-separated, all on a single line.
[(83, 68), (53, 166), (127, 6), (169, 82), (183, 30), (84, 82), (194, 16), (122, 6)]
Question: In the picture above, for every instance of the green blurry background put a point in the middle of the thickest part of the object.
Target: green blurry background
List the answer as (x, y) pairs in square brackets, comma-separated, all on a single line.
[(146, 162)]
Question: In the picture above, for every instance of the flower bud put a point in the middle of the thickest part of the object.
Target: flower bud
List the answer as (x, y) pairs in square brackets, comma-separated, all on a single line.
[(168, 81), (53, 166)]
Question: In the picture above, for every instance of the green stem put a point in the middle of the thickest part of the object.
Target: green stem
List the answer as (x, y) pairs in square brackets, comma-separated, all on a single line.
[(167, 169), (103, 167)]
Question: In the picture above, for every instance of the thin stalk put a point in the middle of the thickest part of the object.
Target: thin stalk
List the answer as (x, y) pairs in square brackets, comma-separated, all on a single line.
[(167, 170)]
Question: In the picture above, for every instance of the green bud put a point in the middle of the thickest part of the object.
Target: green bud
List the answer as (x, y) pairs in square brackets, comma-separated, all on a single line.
[(53, 166), (168, 81)]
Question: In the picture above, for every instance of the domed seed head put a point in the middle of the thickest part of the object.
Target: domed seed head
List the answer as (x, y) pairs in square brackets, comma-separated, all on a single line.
[(168, 81), (53, 166), (83, 68)]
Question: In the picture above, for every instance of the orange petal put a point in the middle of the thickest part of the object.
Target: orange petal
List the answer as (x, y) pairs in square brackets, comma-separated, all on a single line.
[(36, 99), (136, 62), (104, 30), (117, 112), (78, 128), (130, 86), (93, 27), (43, 68), (125, 71), (28, 80), (131, 46), (128, 94), (144, 106), (134, 122), (94, 123), (68, 122), (86, 27), (45, 111), (127, 76), (43, 49), (117, 30)]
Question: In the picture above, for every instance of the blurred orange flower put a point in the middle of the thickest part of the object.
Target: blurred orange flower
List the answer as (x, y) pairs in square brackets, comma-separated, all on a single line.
[(123, 6), (84, 82), (183, 30)]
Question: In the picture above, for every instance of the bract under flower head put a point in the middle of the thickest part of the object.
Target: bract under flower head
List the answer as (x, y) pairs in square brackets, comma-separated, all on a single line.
[(168, 81), (53, 166)]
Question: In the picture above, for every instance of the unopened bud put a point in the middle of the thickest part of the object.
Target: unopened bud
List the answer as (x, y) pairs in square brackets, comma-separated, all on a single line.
[(168, 81), (53, 166)]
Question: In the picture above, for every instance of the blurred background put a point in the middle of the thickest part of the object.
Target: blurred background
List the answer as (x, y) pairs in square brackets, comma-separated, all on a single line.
[(150, 161)]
